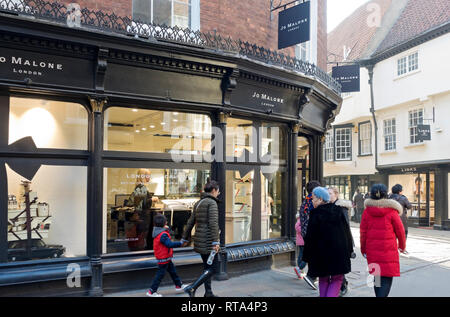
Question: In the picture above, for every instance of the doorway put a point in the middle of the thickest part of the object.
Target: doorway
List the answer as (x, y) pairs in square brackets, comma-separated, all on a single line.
[(303, 168)]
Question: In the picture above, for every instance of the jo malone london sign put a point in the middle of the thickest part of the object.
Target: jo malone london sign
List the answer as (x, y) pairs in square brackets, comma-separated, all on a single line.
[(294, 25), (20, 65), (348, 76)]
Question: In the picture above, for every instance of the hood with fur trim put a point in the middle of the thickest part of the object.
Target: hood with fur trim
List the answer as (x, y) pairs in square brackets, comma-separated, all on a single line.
[(383, 203), (344, 203)]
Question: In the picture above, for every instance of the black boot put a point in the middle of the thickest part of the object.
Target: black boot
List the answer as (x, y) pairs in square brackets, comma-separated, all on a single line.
[(190, 290)]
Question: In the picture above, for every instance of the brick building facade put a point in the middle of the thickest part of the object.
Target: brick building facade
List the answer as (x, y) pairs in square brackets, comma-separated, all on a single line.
[(248, 20)]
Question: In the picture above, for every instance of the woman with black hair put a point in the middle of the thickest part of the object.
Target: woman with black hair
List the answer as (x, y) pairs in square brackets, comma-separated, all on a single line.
[(381, 228), (205, 218)]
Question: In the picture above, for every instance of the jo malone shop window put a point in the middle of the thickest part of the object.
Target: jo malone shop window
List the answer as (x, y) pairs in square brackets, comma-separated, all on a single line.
[(256, 156), (133, 194), (47, 199)]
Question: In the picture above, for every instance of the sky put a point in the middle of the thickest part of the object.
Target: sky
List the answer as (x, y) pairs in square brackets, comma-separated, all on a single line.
[(338, 10)]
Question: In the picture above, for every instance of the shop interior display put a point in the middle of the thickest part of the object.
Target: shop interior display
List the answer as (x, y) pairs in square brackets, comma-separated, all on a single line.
[(130, 221), (239, 218), (28, 225)]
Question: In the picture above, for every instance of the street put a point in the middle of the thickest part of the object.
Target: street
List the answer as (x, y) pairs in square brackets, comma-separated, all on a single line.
[(425, 273)]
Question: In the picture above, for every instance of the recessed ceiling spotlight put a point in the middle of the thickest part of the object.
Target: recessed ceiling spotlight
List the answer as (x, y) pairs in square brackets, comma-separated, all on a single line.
[(175, 113), (137, 131), (175, 120), (135, 110), (163, 123), (152, 126), (144, 129)]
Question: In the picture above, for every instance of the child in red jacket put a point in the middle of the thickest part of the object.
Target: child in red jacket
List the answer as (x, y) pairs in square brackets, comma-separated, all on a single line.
[(163, 248)]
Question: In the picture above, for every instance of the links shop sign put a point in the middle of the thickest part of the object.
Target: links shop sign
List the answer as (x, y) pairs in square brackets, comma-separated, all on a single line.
[(294, 25), (38, 68)]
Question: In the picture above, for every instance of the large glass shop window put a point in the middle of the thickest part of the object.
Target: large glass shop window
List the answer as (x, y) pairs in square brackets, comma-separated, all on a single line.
[(245, 135), (47, 204), (239, 204), (134, 196), (51, 124), (138, 130), (271, 204), (415, 189), (54, 204), (240, 137)]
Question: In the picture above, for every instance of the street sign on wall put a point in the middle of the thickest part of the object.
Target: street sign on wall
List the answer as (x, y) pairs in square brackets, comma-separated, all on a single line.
[(294, 25), (348, 76)]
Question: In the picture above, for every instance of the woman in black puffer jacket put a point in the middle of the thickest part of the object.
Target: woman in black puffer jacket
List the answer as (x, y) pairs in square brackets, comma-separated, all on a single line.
[(205, 217)]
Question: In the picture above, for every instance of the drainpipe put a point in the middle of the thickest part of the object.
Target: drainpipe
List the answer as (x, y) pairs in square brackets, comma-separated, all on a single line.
[(372, 110)]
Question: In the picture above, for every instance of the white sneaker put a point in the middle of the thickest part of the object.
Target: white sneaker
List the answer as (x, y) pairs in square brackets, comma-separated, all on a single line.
[(180, 288), (310, 282), (150, 294)]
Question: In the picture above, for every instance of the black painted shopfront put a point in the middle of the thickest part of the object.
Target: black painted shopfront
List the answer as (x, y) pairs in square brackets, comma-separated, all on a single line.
[(99, 131), (426, 186)]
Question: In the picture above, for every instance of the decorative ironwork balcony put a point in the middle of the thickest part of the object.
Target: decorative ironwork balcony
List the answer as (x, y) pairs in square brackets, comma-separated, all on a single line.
[(74, 16)]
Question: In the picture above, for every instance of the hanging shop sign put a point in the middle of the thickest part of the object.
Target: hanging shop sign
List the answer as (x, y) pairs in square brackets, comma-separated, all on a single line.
[(294, 25), (31, 67), (424, 132), (348, 76)]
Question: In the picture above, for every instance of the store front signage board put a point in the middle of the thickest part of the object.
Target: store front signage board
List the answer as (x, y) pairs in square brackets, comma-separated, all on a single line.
[(266, 100), (254, 251), (31, 67), (294, 25)]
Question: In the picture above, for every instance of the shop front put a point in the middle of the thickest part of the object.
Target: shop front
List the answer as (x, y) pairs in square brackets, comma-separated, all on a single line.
[(100, 131), (425, 186)]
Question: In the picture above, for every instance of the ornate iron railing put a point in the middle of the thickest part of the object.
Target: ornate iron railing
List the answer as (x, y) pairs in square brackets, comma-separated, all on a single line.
[(74, 16)]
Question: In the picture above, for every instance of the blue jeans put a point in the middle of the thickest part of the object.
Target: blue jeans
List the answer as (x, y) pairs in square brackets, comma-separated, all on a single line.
[(301, 264), (162, 268)]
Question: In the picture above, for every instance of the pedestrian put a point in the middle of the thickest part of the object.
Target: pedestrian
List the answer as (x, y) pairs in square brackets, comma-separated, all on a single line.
[(300, 246), (346, 206), (380, 229), (328, 244), (205, 218), (397, 195), (163, 248), (304, 211), (358, 200)]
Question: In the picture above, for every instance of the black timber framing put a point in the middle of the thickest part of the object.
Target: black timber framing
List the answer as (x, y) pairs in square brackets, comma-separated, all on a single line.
[(222, 77)]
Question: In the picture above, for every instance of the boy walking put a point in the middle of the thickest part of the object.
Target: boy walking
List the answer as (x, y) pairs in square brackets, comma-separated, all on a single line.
[(163, 248)]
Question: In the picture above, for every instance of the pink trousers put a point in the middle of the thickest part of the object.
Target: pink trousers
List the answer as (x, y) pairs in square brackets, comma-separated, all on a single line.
[(330, 286)]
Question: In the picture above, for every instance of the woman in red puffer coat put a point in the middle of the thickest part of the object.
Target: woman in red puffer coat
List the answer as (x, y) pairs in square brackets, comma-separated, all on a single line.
[(380, 229)]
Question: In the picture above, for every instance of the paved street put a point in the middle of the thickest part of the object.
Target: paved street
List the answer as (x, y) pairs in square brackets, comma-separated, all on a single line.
[(426, 272)]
